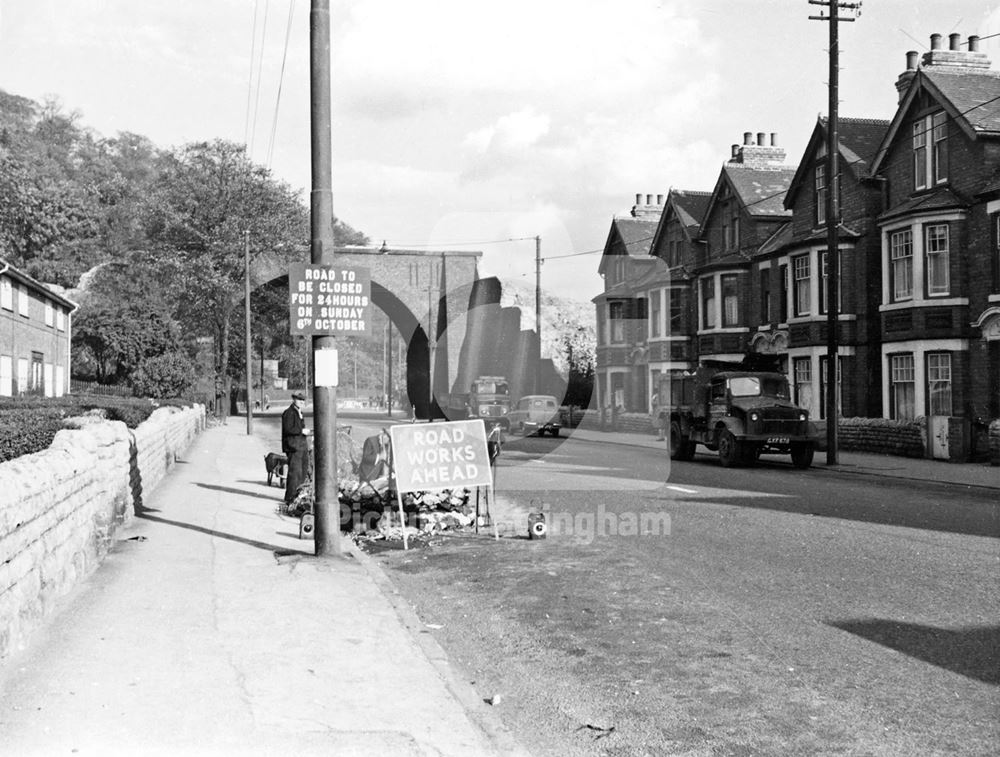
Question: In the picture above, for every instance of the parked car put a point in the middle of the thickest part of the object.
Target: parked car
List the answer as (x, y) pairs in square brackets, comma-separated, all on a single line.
[(536, 413)]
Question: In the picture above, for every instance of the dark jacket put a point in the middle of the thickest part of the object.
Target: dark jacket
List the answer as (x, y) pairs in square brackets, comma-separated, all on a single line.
[(292, 438)]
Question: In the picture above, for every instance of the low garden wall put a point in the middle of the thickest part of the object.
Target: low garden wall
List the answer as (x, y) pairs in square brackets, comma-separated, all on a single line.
[(61, 508)]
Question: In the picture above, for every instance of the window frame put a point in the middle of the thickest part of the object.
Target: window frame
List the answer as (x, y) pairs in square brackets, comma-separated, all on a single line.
[(941, 290), (6, 293), (906, 261), (708, 302), (730, 297), (939, 370), (655, 312), (801, 285), (896, 383), (616, 318), (821, 190)]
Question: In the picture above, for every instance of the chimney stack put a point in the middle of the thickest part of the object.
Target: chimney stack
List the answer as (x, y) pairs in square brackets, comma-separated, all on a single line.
[(955, 58), (903, 80), (758, 154)]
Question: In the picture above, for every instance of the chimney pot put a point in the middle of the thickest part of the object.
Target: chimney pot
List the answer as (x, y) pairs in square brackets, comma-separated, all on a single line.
[(911, 60), (638, 199), (736, 151), (649, 199), (761, 139), (954, 41), (974, 44), (774, 139), (935, 42), (659, 199), (748, 137)]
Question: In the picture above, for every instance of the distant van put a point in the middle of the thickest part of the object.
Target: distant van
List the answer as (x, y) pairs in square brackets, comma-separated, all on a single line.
[(536, 413)]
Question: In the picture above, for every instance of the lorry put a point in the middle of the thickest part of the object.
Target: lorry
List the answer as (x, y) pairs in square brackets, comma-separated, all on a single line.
[(741, 409)]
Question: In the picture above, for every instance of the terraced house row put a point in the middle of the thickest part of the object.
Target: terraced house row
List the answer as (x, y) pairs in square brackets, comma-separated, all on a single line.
[(697, 275)]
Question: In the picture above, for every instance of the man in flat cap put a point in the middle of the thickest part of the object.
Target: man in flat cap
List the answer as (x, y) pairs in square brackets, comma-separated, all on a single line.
[(295, 445)]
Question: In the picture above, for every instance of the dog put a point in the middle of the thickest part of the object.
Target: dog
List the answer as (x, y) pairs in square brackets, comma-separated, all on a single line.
[(275, 464)]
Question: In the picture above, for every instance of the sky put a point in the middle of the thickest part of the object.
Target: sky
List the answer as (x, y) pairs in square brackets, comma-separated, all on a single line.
[(463, 124)]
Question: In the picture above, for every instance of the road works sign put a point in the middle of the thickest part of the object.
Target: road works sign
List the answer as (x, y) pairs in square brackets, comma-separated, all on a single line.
[(332, 300), (431, 456)]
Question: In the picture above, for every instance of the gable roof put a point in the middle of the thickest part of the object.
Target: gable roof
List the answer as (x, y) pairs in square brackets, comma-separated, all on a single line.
[(635, 234), (970, 97), (760, 190), (859, 140), (689, 207)]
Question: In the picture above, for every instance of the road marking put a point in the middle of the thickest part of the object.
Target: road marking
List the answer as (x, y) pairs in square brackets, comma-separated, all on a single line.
[(682, 489)]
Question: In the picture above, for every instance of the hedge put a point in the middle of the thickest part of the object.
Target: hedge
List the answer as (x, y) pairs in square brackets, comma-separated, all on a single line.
[(29, 424)]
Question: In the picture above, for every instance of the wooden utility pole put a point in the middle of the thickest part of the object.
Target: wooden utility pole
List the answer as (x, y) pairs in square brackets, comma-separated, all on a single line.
[(833, 222), (246, 291), (327, 503), (538, 312)]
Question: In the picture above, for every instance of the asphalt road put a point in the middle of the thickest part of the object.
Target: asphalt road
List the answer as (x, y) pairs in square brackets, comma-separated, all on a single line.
[(691, 609)]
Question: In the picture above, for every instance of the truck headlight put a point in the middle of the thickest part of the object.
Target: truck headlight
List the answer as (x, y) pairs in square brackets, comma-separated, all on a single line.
[(754, 417), (803, 416)]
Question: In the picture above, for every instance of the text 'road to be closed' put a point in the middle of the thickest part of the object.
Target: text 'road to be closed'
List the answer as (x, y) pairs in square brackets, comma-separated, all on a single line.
[(329, 300), (440, 455)]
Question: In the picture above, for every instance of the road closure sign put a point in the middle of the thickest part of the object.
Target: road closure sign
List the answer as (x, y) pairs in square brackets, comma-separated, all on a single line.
[(433, 456), (333, 300)]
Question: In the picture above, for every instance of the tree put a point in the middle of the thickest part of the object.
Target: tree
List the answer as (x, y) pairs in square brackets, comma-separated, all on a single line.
[(112, 340)]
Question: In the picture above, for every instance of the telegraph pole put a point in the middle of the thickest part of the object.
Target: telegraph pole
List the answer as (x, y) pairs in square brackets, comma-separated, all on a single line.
[(249, 371), (538, 312), (833, 221), (327, 502)]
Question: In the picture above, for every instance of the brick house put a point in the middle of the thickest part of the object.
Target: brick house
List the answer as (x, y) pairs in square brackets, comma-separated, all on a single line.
[(629, 271), (789, 274), (677, 242), (745, 210), (940, 235), (35, 332)]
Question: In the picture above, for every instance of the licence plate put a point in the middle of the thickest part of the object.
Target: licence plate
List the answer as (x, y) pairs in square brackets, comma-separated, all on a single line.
[(777, 440)]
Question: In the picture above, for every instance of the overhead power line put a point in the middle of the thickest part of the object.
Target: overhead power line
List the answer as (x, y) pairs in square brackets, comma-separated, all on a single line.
[(281, 80)]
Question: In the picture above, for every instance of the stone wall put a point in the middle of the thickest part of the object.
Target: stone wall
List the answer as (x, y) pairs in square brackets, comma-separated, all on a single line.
[(882, 436), (61, 508)]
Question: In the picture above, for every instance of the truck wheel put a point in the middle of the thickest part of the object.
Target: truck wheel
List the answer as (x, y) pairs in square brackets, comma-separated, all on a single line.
[(802, 454), (681, 448), (730, 451)]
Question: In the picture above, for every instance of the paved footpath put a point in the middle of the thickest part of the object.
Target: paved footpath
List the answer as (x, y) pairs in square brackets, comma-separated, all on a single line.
[(211, 629)]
